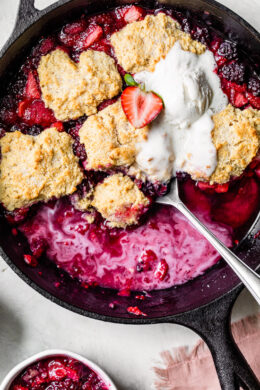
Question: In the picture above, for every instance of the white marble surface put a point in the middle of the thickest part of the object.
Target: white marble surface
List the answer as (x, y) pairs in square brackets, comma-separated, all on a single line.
[(29, 323)]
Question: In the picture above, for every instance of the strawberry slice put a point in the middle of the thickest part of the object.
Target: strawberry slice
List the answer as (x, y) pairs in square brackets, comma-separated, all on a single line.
[(253, 100), (22, 107), (239, 100), (32, 90), (133, 13), (140, 107), (94, 34), (75, 28)]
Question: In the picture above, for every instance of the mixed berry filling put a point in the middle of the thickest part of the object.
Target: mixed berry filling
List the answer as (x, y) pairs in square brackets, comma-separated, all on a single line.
[(164, 249), (58, 373)]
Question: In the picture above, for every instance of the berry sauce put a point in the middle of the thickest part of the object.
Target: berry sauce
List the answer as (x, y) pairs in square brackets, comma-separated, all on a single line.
[(164, 249), (58, 373)]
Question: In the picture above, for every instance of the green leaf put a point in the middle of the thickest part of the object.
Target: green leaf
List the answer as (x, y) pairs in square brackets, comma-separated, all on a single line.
[(130, 80)]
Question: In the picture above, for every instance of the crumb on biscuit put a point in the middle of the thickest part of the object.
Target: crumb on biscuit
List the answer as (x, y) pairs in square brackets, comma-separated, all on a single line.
[(74, 89), (140, 45), (236, 136), (119, 200), (37, 168), (109, 138)]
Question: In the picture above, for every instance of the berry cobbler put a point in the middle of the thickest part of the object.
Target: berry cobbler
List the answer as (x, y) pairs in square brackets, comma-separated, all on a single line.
[(102, 115), (58, 372)]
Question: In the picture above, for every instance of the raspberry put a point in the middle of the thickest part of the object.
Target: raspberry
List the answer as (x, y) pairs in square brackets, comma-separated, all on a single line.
[(234, 71), (228, 50)]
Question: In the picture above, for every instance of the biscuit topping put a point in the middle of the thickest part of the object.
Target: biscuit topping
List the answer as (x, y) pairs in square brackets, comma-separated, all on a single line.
[(140, 45), (110, 139), (37, 168), (119, 200), (236, 136), (74, 89)]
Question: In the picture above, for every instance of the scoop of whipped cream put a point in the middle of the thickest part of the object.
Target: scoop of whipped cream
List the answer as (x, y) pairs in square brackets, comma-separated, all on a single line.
[(180, 138)]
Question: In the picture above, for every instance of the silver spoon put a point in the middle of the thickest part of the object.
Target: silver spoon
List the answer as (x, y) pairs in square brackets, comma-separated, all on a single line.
[(249, 277)]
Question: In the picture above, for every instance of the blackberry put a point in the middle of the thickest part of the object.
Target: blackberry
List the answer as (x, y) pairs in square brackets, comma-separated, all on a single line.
[(254, 86), (186, 25), (79, 150), (34, 130), (2, 132), (228, 50), (235, 72), (201, 34)]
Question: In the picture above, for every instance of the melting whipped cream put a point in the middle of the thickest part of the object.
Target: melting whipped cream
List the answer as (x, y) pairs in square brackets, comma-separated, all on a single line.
[(180, 138)]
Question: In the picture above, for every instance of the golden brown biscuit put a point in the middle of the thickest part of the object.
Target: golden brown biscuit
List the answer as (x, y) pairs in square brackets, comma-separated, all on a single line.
[(140, 45), (119, 200), (236, 137), (73, 89), (37, 168), (109, 138)]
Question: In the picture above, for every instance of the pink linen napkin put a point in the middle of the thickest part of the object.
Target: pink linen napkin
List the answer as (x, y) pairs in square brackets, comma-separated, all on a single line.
[(183, 370)]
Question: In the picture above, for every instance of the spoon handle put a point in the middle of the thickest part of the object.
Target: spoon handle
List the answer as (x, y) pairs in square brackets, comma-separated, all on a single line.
[(249, 277)]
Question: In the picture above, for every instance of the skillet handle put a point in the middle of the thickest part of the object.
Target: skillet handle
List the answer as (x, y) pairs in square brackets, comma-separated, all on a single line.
[(26, 14), (213, 324)]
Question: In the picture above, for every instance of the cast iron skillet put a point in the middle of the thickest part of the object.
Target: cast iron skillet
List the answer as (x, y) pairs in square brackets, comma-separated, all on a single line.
[(204, 304)]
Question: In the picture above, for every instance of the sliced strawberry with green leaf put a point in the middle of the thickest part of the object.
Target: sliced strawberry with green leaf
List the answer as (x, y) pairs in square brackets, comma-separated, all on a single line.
[(130, 81), (140, 107)]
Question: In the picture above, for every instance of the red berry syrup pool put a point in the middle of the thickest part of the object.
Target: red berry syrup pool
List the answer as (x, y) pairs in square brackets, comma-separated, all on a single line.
[(164, 250), (58, 373)]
